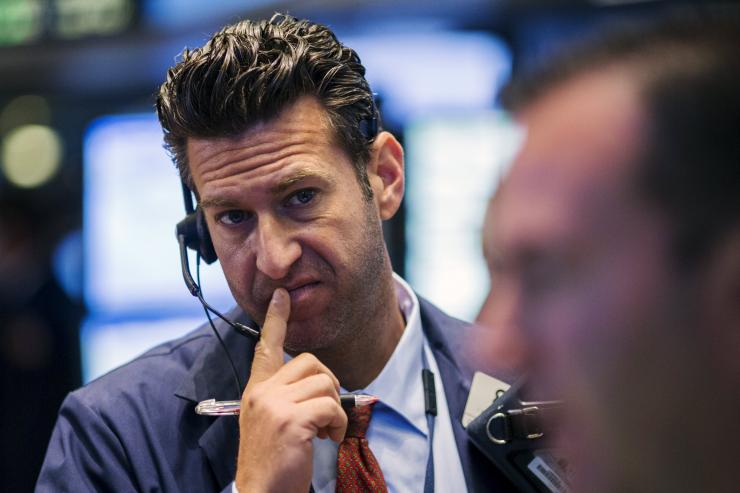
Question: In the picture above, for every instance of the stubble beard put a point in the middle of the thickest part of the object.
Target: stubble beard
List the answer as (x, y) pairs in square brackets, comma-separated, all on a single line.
[(350, 316)]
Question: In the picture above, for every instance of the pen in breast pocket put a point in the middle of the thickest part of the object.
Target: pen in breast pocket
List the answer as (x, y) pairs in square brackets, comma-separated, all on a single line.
[(212, 407)]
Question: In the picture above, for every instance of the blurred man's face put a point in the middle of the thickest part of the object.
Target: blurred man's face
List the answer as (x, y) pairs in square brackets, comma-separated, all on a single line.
[(581, 285)]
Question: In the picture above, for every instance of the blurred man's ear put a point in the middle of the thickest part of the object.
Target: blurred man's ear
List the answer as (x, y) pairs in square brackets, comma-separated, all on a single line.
[(385, 172)]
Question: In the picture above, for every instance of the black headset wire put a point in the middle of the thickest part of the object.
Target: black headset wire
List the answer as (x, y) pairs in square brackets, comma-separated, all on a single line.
[(195, 290), (237, 380)]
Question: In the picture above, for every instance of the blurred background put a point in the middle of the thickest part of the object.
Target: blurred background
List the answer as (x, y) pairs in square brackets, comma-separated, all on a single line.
[(89, 269)]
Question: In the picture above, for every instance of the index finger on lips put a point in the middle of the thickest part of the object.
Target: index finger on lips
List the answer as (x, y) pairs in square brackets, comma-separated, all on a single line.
[(268, 354)]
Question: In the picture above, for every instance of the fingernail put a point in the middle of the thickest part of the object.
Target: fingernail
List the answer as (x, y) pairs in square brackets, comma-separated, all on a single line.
[(278, 297)]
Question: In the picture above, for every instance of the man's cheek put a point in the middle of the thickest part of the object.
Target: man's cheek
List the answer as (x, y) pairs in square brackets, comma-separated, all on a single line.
[(574, 337), (241, 284), (551, 331)]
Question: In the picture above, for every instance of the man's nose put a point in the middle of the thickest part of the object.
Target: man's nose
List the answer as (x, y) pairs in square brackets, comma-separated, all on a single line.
[(276, 249)]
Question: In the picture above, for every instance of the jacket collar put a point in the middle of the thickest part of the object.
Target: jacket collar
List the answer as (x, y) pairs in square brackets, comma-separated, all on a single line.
[(210, 376)]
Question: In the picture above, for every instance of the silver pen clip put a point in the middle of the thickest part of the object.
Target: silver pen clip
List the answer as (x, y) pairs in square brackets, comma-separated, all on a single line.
[(212, 407)]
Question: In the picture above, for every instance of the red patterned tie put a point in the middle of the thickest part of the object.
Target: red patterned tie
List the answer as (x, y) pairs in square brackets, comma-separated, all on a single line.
[(357, 468)]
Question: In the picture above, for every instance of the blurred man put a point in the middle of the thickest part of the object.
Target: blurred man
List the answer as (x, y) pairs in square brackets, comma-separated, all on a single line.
[(614, 252), (273, 126)]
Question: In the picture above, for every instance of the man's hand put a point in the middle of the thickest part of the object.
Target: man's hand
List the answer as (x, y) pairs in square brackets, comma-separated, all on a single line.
[(282, 409)]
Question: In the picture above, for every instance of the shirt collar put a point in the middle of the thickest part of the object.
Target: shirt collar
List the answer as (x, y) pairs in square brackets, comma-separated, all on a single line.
[(399, 384)]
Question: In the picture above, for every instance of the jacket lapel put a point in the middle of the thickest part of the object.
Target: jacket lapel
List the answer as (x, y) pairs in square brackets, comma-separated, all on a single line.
[(211, 377), (220, 444), (446, 336)]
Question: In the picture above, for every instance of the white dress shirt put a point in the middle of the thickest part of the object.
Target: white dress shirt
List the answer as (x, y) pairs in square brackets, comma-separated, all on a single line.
[(398, 432)]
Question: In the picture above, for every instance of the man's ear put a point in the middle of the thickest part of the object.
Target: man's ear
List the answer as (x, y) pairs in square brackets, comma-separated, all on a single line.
[(385, 173)]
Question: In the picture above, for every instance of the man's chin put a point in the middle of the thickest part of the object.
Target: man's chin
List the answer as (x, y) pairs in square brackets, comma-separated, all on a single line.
[(307, 336)]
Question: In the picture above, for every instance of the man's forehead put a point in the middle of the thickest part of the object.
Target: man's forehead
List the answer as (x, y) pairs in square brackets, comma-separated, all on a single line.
[(583, 143), (207, 154), (300, 129), (576, 166), (588, 124), (529, 212)]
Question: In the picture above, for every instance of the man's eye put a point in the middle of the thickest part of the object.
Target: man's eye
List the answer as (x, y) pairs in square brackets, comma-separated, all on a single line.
[(301, 197), (232, 217)]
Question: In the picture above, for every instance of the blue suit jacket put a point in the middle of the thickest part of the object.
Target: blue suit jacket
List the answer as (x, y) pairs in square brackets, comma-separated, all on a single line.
[(135, 428)]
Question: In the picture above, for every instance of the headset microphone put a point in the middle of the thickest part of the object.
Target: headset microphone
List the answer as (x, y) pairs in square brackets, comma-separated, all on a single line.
[(193, 232), (195, 288)]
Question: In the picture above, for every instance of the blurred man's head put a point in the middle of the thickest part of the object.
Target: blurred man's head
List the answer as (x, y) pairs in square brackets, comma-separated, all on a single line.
[(614, 250)]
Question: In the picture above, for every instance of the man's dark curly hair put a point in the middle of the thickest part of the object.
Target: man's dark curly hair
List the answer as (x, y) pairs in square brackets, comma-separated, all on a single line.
[(249, 71)]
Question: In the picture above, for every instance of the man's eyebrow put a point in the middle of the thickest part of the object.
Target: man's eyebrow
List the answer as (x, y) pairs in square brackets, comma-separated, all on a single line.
[(298, 177), (278, 189), (207, 202)]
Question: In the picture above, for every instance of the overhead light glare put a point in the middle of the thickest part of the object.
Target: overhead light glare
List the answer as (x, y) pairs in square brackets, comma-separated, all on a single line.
[(31, 155)]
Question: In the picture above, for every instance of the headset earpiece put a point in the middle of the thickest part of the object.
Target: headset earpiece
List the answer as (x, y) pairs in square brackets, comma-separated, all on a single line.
[(205, 244), (194, 229), (197, 237)]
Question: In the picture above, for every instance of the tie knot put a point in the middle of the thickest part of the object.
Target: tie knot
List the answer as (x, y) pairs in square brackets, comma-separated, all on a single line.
[(358, 419)]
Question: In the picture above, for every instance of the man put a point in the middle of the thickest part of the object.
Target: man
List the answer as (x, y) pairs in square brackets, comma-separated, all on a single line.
[(614, 253), (271, 124)]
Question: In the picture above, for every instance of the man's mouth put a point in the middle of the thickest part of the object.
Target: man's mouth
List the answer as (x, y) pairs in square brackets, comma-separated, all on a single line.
[(301, 291)]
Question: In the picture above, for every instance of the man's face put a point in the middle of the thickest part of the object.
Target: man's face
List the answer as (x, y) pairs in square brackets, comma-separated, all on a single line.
[(285, 209), (581, 285)]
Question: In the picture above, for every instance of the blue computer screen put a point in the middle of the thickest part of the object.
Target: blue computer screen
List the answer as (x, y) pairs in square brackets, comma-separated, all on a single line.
[(133, 285)]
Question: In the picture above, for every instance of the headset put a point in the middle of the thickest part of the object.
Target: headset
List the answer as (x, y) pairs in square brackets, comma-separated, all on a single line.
[(192, 232)]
